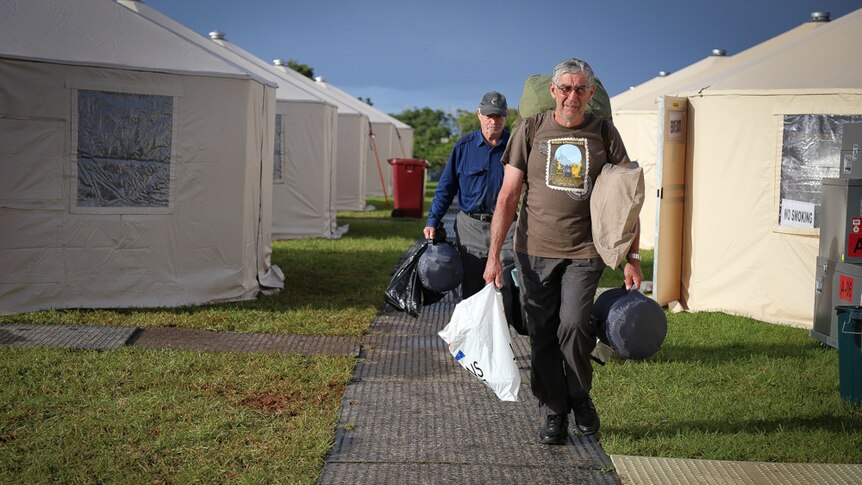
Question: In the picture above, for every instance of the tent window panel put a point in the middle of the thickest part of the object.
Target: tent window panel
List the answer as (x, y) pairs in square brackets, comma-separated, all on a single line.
[(124, 149), (810, 151), (278, 158)]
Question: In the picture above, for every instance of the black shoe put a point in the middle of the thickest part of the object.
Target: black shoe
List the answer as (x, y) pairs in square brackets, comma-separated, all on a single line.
[(555, 430), (586, 417)]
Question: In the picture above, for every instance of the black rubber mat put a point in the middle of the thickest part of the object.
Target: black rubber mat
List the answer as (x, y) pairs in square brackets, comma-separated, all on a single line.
[(447, 422), (461, 474), (413, 415), (103, 337), (208, 340), (64, 336)]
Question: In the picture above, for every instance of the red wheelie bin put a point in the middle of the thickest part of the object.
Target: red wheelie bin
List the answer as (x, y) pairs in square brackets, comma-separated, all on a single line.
[(408, 186)]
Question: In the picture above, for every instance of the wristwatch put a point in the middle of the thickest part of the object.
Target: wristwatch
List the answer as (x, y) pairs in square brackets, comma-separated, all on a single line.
[(636, 256)]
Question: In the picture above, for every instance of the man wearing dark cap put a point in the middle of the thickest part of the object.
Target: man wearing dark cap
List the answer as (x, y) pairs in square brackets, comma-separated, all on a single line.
[(475, 173)]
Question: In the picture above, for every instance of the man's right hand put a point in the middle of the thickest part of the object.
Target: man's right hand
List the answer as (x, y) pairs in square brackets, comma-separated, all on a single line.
[(429, 232), (494, 271)]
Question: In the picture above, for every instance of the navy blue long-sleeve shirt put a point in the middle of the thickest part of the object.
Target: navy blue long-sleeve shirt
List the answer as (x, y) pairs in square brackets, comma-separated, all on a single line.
[(474, 172)]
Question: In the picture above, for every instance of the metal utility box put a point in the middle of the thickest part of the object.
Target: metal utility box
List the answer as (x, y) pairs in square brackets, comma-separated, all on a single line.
[(841, 224), (851, 167), (835, 284), (850, 352), (838, 278)]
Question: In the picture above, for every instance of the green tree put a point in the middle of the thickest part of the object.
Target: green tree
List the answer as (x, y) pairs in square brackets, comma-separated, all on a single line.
[(435, 131), (303, 69), (468, 121), (434, 134)]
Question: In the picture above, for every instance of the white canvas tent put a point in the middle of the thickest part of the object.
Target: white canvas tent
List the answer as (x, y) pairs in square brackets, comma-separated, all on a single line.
[(352, 156), (128, 178), (305, 139), (391, 139), (745, 128), (636, 117), (306, 150), (635, 111)]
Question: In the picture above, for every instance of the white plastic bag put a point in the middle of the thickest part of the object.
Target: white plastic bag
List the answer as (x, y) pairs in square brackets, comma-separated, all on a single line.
[(478, 338)]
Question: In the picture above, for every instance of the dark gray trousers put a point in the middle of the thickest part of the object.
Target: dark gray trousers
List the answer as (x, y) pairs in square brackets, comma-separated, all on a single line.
[(557, 296), (473, 239)]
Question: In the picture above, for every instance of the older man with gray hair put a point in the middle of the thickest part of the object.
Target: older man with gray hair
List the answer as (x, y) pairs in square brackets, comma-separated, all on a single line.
[(556, 157)]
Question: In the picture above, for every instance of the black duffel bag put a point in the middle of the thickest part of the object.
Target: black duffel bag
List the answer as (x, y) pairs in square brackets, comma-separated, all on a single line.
[(511, 294), (631, 323)]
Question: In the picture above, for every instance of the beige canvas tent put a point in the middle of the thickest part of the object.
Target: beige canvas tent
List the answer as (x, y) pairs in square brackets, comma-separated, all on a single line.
[(748, 139), (306, 145), (391, 139), (305, 138), (635, 111), (636, 117), (128, 178), (352, 154)]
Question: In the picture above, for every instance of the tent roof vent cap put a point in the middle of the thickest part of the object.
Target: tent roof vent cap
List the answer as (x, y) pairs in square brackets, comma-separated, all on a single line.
[(320, 79), (663, 73), (278, 62), (719, 52), (820, 16), (217, 35)]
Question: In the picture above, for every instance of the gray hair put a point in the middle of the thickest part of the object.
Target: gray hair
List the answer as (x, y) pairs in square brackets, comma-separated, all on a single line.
[(573, 66)]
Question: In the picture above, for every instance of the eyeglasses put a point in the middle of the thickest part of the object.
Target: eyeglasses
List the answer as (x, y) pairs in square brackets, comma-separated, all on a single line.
[(566, 89)]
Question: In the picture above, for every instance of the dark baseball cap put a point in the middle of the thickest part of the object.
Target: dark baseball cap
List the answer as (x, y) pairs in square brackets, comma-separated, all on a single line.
[(493, 103)]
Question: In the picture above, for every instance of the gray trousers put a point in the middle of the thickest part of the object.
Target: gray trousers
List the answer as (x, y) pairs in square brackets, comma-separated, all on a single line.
[(473, 238), (557, 296)]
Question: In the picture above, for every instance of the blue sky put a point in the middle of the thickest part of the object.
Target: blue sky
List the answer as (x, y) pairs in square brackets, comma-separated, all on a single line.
[(445, 54)]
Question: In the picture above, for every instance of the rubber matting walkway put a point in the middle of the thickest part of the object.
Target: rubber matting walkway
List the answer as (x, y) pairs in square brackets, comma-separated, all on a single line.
[(413, 415), (97, 337), (64, 336)]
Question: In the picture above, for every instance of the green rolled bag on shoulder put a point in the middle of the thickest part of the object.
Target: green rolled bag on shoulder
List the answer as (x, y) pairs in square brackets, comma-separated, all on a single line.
[(536, 98)]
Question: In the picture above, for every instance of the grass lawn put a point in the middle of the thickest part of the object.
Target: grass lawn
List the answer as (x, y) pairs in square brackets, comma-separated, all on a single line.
[(722, 387), (143, 416), (729, 388)]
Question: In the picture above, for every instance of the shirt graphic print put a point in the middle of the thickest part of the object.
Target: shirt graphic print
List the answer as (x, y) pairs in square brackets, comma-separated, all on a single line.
[(567, 167)]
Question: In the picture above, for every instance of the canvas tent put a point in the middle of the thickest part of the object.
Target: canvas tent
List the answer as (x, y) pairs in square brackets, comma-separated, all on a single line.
[(128, 178), (636, 110), (644, 96), (391, 139), (304, 174), (636, 117), (352, 154), (305, 139), (753, 136)]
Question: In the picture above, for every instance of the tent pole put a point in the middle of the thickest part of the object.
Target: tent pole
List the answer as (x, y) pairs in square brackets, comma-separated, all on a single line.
[(403, 153), (379, 168)]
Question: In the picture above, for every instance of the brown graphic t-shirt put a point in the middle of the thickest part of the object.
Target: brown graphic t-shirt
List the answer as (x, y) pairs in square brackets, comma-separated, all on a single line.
[(560, 165)]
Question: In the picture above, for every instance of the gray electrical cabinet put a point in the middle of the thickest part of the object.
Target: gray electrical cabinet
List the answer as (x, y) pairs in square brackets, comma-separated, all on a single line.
[(850, 151), (842, 203), (838, 280), (835, 283)]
